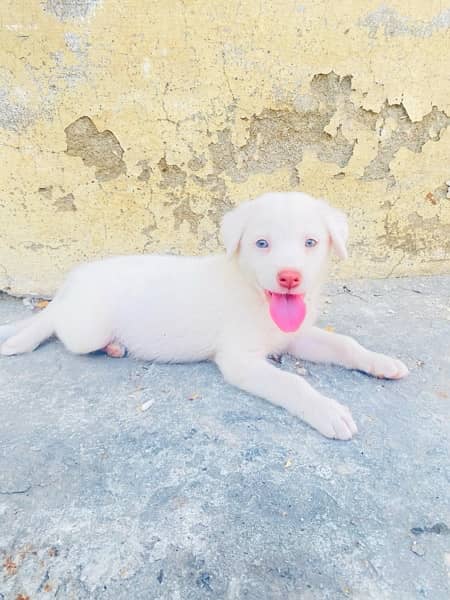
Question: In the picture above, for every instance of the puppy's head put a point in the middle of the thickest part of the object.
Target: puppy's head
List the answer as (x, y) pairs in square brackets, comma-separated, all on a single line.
[(282, 242)]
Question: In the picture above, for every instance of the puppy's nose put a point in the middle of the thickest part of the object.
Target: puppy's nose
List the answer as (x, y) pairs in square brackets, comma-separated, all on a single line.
[(288, 278)]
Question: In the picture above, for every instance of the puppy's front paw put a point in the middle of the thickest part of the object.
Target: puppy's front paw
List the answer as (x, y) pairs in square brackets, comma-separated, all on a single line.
[(385, 367), (331, 419)]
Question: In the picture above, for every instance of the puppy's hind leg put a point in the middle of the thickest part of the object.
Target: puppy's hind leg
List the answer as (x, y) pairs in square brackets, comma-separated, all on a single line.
[(9, 329), (83, 326), (28, 334)]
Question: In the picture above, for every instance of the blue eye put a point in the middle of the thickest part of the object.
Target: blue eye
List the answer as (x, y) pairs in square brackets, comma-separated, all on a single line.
[(310, 243), (262, 244)]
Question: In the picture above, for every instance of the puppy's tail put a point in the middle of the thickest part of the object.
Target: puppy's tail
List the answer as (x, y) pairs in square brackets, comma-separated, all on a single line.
[(26, 335)]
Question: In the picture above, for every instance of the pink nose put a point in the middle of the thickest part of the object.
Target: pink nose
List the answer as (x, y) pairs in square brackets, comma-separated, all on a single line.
[(289, 278)]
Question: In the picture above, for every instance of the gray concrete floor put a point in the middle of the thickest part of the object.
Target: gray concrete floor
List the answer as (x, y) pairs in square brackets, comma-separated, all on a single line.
[(211, 493)]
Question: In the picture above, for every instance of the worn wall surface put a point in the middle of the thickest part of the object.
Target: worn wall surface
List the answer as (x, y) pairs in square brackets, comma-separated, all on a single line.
[(130, 126)]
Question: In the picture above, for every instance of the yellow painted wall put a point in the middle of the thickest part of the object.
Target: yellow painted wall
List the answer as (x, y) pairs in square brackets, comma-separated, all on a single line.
[(132, 125)]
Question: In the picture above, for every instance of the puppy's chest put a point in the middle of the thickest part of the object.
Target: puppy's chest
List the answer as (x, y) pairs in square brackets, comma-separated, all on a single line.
[(256, 333)]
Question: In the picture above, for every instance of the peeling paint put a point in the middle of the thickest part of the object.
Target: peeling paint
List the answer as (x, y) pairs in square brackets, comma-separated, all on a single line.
[(70, 9), (146, 170), (46, 192), (396, 130), (279, 138), (15, 114), (65, 203), (75, 42), (183, 213), (413, 235), (392, 23), (99, 149), (172, 175)]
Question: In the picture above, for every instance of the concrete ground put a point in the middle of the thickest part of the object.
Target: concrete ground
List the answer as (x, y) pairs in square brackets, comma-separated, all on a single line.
[(211, 493)]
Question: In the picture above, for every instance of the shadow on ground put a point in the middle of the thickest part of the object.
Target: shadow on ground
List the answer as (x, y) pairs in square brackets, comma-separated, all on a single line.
[(210, 493)]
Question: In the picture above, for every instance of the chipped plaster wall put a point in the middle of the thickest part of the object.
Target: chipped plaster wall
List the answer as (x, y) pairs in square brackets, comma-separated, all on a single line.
[(132, 126)]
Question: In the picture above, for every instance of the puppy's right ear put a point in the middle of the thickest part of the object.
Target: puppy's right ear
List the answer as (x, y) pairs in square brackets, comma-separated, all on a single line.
[(233, 226)]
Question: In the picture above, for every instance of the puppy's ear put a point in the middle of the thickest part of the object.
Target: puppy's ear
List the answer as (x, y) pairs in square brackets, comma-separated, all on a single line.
[(233, 226), (337, 225)]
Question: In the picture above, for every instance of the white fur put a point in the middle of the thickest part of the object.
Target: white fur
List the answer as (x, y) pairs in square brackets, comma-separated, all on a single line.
[(168, 308)]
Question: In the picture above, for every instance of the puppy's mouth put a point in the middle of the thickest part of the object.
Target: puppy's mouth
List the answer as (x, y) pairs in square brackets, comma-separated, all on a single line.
[(288, 311)]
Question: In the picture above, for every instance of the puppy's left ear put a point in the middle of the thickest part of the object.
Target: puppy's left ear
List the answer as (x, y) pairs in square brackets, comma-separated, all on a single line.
[(233, 226), (337, 225)]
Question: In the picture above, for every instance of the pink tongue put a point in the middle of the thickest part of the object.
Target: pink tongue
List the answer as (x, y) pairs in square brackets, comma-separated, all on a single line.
[(287, 310)]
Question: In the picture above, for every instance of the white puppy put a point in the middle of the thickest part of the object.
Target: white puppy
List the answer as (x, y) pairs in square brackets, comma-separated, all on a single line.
[(260, 298)]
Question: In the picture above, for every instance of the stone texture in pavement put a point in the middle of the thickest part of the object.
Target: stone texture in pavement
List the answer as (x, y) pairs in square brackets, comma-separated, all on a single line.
[(211, 493)]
